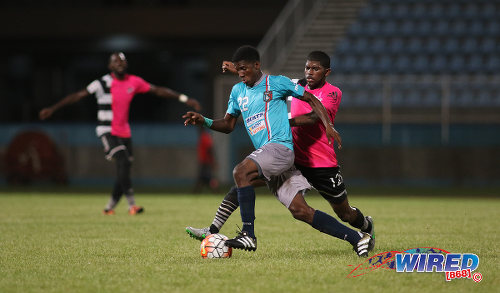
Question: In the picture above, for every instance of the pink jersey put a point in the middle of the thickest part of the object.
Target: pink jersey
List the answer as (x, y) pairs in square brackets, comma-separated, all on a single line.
[(309, 141), (122, 93)]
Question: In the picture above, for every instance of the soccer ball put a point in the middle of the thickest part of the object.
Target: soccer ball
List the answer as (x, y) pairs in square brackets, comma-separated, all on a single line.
[(213, 246)]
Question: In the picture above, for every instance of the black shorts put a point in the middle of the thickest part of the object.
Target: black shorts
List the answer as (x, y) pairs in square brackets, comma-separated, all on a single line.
[(328, 182), (113, 144)]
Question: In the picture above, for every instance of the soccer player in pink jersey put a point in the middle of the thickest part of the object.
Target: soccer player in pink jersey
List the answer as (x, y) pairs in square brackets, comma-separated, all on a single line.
[(314, 156), (114, 93)]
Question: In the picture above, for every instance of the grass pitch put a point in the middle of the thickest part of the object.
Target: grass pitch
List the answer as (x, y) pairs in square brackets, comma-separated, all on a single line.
[(62, 243)]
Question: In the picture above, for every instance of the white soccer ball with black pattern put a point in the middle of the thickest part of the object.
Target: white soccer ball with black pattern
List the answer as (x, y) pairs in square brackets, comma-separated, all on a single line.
[(213, 246)]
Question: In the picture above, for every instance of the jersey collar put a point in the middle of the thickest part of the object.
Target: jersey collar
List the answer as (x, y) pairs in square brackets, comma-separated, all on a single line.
[(263, 77), (125, 77)]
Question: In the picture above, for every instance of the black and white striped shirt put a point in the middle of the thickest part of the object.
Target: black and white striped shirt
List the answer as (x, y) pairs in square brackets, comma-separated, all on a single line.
[(101, 89)]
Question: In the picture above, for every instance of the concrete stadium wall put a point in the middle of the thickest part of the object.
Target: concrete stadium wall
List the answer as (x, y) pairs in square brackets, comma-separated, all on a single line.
[(165, 155)]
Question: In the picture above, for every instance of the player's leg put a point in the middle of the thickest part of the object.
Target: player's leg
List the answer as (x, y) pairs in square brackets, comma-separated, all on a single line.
[(121, 153), (291, 187), (353, 216), (243, 174), (322, 221), (330, 184), (228, 205), (114, 199), (269, 160), (109, 143)]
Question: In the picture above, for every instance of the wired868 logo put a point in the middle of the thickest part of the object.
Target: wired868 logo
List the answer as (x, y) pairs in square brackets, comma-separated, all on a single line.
[(423, 260), (454, 265)]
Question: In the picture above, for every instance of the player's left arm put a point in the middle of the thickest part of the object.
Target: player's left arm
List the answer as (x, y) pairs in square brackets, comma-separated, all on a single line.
[(310, 119), (320, 110), (305, 119), (165, 92)]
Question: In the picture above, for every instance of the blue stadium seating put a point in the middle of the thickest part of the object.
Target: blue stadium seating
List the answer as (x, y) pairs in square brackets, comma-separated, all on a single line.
[(424, 37)]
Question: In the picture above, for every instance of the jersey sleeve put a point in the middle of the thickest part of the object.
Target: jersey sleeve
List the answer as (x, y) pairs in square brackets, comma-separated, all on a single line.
[(93, 87), (336, 97), (142, 86), (288, 87), (232, 105)]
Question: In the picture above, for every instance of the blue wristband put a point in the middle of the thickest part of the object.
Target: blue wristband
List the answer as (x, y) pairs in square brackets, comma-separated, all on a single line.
[(208, 122)]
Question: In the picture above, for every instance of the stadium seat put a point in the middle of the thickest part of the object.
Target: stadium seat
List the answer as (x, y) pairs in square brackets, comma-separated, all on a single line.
[(378, 45), (424, 28), (384, 10), (403, 64), (360, 45), (421, 63), (489, 45), (425, 37), (407, 27), (384, 64), (492, 63), (367, 64), (438, 64), (415, 45), (493, 28), (436, 9), (441, 27), (470, 10), (458, 27), (454, 10), (451, 45), (419, 10), (396, 45), (388, 28), (457, 63), (401, 10), (343, 46), (372, 27), (355, 29), (470, 45), (475, 28), (399, 95), (431, 96), (433, 45), (475, 63)]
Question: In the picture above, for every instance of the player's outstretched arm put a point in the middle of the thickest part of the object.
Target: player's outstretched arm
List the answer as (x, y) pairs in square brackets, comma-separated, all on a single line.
[(310, 119), (165, 92), (320, 110), (305, 119), (69, 99), (225, 125)]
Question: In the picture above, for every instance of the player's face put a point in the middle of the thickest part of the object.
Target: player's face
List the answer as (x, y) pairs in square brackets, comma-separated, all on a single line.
[(248, 72), (118, 64), (315, 74)]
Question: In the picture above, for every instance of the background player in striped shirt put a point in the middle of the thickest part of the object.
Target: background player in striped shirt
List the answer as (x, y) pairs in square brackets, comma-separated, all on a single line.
[(261, 100), (314, 156), (114, 93)]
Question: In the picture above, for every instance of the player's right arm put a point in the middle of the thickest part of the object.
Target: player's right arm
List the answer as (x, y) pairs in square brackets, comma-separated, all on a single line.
[(228, 66), (69, 99), (225, 125)]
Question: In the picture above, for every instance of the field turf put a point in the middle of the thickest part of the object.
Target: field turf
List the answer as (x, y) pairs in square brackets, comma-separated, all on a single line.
[(60, 242)]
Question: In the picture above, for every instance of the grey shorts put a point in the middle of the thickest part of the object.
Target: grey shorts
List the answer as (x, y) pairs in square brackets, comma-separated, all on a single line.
[(275, 163)]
